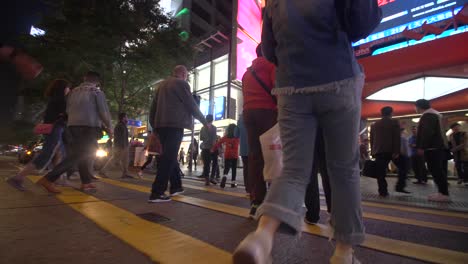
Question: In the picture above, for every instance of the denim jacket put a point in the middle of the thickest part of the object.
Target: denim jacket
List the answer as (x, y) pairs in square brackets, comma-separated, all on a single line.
[(304, 40)]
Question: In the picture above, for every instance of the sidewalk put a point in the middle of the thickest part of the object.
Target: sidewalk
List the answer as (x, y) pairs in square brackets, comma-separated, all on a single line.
[(418, 196)]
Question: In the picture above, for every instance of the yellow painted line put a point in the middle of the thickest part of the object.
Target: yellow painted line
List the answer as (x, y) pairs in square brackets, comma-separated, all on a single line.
[(392, 246), (416, 210), (208, 189), (408, 221), (160, 243)]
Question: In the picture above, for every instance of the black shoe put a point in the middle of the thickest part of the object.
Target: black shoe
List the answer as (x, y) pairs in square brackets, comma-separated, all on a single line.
[(383, 195), (213, 181), (253, 211), (126, 176), (155, 198), (459, 181), (17, 184), (418, 182), (234, 185), (223, 182), (177, 192), (402, 191)]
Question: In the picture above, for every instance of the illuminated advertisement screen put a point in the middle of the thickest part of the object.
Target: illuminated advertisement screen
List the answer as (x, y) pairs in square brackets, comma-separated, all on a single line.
[(401, 14), (249, 28), (219, 107)]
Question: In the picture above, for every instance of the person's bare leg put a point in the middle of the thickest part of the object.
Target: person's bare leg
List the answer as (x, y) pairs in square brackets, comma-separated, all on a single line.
[(256, 247)]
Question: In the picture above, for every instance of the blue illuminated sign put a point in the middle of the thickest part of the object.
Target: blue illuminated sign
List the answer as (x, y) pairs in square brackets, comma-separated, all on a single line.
[(135, 123)]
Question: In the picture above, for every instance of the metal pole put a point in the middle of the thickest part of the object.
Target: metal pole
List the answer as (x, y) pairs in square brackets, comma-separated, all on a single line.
[(228, 99)]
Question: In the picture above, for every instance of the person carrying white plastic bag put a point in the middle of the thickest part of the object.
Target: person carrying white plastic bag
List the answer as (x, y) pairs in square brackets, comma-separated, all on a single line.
[(272, 151)]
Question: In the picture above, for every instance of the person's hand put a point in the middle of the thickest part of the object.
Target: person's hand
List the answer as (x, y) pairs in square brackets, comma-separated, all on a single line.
[(420, 152)]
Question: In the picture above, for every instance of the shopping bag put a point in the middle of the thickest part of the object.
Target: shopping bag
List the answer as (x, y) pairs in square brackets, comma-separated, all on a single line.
[(43, 129), (370, 169), (272, 151)]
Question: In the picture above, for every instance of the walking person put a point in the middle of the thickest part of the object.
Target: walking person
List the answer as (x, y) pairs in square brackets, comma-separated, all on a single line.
[(259, 115), (432, 143), (87, 112), (231, 154), (171, 112), (182, 156), (208, 139), (417, 160), (120, 149), (385, 146), (55, 117), (193, 154), (402, 162), (154, 150), (459, 148), (319, 84)]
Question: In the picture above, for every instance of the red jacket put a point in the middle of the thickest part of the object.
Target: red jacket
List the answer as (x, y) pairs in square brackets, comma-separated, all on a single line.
[(255, 97), (231, 147)]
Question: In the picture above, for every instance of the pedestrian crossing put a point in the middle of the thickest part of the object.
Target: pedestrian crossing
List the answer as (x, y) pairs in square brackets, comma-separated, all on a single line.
[(141, 234)]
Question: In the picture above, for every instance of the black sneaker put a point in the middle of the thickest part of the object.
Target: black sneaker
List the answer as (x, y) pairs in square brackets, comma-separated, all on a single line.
[(234, 185), (253, 211), (161, 198), (213, 181), (402, 191), (223, 182), (310, 220), (177, 192), (17, 184)]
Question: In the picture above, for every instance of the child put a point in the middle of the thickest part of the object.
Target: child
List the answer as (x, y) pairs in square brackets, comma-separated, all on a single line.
[(231, 154)]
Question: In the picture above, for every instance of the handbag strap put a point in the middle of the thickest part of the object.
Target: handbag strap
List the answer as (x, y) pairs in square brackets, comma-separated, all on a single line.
[(263, 85)]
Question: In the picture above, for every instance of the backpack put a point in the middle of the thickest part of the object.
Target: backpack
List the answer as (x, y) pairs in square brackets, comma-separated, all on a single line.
[(358, 18)]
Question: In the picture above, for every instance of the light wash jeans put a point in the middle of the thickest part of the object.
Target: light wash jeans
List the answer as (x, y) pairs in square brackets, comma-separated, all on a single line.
[(337, 112)]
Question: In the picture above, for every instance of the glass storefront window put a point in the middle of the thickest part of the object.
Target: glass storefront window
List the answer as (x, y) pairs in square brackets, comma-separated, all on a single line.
[(203, 78), (221, 70)]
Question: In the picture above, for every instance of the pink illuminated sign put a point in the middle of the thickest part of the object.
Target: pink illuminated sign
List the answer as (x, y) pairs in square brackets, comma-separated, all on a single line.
[(249, 21)]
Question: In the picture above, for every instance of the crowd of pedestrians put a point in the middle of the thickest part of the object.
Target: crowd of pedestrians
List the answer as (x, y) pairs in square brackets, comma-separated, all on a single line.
[(305, 78)]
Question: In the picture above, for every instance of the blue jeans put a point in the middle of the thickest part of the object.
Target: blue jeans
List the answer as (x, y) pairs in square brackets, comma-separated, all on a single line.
[(338, 113), (52, 144)]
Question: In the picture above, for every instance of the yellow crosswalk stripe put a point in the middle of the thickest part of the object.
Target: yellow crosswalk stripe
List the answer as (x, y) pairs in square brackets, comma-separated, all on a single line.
[(381, 217), (392, 246), (160, 243)]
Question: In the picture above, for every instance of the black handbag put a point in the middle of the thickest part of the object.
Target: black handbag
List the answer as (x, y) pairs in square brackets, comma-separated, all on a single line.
[(370, 169)]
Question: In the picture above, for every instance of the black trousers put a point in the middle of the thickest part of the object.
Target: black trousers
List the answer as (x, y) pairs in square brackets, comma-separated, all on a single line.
[(419, 167), (230, 164), (462, 170), (312, 197), (206, 157), (436, 160), (168, 166), (214, 165), (382, 160), (402, 163), (83, 147)]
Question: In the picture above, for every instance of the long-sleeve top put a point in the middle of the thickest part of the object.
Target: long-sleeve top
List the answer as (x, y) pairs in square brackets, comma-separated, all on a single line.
[(255, 96), (430, 133), (385, 136), (207, 137), (173, 105), (231, 145), (120, 136), (87, 106)]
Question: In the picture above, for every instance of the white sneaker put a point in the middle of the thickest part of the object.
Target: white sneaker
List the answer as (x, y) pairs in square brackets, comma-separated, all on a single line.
[(438, 197)]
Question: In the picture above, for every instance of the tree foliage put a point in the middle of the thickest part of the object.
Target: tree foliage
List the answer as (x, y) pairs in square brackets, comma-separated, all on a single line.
[(131, 43)]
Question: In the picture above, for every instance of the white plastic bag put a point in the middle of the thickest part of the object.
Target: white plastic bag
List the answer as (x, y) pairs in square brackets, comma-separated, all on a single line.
[(272, 151)]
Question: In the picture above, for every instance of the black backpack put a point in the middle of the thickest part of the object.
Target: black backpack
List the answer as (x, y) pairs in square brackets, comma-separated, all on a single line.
[(358, 18)]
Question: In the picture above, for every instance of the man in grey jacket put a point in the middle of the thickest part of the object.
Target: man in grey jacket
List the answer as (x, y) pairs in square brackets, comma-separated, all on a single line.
[(171, 111), (120, 150), (87, 112)]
